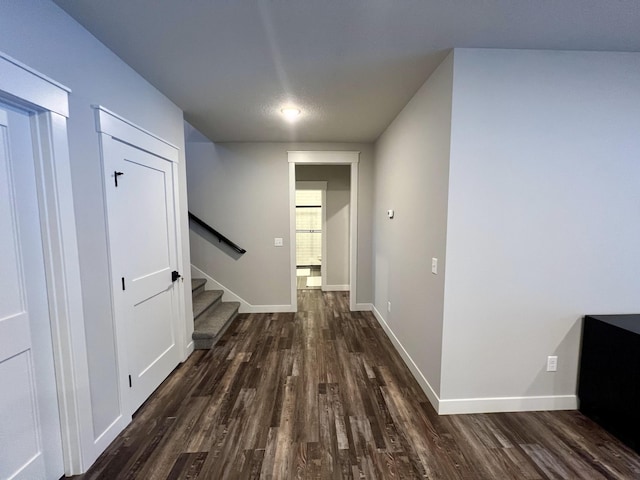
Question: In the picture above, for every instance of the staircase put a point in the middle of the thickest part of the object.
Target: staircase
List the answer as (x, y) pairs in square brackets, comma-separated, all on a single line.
[(211, 316)]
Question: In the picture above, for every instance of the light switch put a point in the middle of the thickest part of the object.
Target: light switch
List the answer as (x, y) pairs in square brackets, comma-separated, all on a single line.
[(434, 266), (277, 242), (390, 213)]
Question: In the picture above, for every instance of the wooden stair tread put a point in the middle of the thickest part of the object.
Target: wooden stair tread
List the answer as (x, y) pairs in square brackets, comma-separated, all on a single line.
[(204, 300)]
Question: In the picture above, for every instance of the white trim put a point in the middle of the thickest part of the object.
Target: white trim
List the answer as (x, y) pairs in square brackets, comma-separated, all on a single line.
[(326, 158), (183, 334), (335, 288), (363, 307), (109, 434), (26, 84), (292, 237), (507, 404), (230, 296), (322, 186), (128, 132), (323, 157), (64, 290), (458, 406), (32, 71), (353, 236), (417, 374), (49, 101)]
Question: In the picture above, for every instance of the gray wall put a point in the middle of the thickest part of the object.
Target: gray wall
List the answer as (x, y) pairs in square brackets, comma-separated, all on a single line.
[(525, 164), (242, 189), (337, 214), (543, 214), (41, 35), (411, 177)]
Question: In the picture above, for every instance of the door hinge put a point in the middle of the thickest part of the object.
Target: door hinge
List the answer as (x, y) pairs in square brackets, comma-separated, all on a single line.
[(129, 381), (116, 175), (123, 284), (175, 276)]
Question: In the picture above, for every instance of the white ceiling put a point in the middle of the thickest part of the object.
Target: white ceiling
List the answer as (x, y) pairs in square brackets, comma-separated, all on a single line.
[(350, 65)]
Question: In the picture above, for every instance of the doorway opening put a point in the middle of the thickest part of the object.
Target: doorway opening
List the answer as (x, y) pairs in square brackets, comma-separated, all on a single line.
[(299, 162), (311, 239)]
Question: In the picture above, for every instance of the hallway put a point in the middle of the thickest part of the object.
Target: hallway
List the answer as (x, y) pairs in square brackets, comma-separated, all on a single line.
[(322, 394)]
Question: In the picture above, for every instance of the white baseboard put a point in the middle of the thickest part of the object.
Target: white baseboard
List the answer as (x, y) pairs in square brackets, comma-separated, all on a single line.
[(230, 296), (420, 378), (188, 350), (507, 404), (458, 406), (103, 440), (363, 307), (336, 288)]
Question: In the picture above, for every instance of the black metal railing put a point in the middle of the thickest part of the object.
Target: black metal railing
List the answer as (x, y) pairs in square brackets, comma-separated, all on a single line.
[(215, 233)]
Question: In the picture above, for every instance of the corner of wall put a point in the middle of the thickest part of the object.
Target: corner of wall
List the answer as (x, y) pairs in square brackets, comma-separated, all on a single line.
[(406, 357)]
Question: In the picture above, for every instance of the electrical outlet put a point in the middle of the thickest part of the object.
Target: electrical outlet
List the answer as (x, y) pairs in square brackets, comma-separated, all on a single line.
[(277, 242), (552, 363), (389, 307)]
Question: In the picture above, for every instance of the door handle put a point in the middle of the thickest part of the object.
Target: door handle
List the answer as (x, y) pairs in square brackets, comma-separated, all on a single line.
[(116, 175), (175, 276)]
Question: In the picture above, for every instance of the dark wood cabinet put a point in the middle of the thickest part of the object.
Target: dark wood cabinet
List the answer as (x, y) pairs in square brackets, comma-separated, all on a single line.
[(609, 385)]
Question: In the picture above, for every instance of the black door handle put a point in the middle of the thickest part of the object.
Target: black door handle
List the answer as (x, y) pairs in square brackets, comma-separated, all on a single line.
[(116, 175), (175, 276)]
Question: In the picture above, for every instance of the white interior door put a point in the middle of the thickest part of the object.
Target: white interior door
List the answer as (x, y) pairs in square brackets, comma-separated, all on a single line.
[(30, 440), (142, 236)]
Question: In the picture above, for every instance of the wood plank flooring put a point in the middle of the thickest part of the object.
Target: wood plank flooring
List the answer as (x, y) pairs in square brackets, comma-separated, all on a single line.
[(322, 394)]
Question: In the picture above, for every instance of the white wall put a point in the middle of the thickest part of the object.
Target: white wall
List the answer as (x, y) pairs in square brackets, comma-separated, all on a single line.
[(543, 221), (41, 35), (242, 190), (337, 213), (411, 177)]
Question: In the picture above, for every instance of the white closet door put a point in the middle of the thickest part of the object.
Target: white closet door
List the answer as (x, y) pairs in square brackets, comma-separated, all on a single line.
[(142, 237), (30, 441)]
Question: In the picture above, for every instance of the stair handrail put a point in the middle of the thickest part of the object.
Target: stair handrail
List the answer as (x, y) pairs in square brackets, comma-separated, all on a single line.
[(218, 235)]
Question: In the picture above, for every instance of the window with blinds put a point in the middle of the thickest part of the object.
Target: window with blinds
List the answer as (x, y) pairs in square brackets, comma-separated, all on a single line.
[(308, 227)]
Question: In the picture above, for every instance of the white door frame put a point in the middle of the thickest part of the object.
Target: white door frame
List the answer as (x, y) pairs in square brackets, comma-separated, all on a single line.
[(47, 101), (111, 126), (322, 186), (351, 158)]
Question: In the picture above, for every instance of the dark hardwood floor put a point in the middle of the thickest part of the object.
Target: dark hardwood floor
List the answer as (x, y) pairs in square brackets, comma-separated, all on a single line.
[(322, 394)]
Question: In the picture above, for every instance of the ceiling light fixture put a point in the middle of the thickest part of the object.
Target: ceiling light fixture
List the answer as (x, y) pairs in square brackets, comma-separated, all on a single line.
[(291, 113)]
